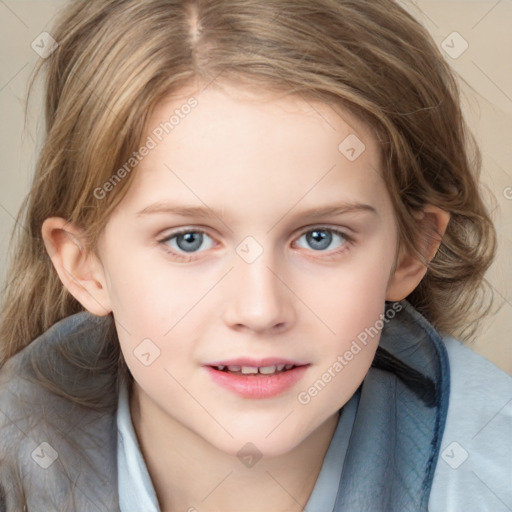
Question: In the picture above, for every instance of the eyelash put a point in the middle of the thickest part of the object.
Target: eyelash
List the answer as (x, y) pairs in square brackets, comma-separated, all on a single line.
[(348, 241)]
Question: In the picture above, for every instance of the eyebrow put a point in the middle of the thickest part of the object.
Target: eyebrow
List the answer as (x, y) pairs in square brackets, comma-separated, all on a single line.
[(206, 212)]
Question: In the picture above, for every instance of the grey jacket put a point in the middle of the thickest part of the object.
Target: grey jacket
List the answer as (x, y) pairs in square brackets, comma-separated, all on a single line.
[(398, 458)]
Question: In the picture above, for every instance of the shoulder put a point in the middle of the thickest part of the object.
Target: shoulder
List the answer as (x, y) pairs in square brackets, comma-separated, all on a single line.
[(475, 462), (55, 439)]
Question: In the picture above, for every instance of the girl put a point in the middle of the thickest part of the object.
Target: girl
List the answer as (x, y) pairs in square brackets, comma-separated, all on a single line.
[(253, 234)]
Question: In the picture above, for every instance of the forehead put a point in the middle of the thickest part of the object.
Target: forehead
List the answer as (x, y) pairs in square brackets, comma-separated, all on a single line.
[(236, 147)]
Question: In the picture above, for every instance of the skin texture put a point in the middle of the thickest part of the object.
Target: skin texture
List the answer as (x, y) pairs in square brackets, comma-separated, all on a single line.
[(261, 161)]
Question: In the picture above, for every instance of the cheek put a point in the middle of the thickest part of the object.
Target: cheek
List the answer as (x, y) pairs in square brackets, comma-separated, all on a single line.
[(145, 293), (153, 309), (352, 306), (344, 357), (354, 295)]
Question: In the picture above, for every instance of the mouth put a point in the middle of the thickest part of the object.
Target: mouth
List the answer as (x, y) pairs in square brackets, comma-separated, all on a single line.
[(256, 379), (254, 370)]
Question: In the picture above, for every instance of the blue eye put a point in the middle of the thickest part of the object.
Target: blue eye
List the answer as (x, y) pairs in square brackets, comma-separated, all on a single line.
[(320, 238), (185, 243)]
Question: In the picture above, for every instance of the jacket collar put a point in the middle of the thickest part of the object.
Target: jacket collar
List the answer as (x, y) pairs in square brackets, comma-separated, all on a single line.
[(401, 415), (66, 452)]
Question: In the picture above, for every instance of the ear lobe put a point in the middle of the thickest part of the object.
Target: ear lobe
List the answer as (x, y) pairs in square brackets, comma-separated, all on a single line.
[(411, 268), (408, 274), (80, 271)]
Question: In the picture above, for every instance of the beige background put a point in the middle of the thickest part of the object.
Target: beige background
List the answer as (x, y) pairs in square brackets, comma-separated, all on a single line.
[(485, 68)]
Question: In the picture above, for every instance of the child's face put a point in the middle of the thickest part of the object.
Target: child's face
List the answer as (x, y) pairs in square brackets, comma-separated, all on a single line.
[(264, 280)]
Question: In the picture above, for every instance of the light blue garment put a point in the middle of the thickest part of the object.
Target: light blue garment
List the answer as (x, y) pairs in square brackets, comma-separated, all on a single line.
[(474, 471), (324, 493), (136, 491)]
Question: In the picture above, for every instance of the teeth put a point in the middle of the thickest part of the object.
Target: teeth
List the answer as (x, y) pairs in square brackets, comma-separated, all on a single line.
[(249, 369), (252, 370)]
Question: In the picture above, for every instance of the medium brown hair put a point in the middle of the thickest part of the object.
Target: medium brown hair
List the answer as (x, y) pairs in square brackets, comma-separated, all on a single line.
[(116, 59)]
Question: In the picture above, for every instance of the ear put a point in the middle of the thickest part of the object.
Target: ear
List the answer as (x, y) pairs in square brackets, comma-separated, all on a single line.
[(79, 270), (410, 268)]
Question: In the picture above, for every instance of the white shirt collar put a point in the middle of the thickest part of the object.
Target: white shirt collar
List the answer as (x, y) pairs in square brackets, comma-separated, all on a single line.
[(136, 491)]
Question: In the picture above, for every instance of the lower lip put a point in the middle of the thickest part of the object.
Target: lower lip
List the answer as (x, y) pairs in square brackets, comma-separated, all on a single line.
[(257, 385)]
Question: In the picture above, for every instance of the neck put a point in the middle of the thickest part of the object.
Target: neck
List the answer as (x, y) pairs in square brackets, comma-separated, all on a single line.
[(189, 474)]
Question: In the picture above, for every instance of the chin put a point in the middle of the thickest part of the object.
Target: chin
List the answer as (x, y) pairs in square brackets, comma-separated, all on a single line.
[(258, 441), (244, 448)]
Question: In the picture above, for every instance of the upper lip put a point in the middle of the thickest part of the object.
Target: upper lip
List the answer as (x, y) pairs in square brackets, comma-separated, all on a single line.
[(255, 363)]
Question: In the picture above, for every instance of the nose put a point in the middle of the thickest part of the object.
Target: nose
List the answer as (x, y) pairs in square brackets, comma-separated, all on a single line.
[(259, 300)]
